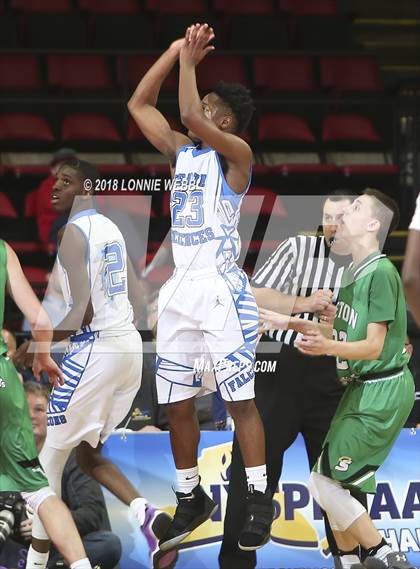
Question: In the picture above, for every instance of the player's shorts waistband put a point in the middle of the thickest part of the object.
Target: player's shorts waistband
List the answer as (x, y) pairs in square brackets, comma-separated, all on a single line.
[(196, 273), (390, 374), (85, 334)]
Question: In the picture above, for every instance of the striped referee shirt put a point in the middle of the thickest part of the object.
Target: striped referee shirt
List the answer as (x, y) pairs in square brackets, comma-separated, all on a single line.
[(300, 266)]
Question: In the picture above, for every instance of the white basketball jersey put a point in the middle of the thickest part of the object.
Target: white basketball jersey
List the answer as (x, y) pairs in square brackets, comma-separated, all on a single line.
[(106, 263), (204, 212)]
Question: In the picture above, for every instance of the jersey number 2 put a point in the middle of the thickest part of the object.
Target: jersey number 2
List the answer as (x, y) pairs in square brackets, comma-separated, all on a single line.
[(116, 282)]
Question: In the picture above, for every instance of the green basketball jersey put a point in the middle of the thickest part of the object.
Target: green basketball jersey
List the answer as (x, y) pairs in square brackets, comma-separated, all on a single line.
[(372, 292), (3, 280)]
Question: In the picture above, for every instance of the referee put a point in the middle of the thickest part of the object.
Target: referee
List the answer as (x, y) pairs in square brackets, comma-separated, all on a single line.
[(303, 395)]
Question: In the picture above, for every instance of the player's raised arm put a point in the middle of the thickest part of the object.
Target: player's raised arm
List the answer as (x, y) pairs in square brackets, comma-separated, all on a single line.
[(72, 251), (211, 120), (142, 105)]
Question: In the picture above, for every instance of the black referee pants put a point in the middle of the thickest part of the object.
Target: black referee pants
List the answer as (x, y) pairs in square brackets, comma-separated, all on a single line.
[(300, 396)]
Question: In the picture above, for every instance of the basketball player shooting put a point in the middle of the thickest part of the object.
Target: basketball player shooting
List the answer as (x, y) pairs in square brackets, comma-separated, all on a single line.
[(207, 307)]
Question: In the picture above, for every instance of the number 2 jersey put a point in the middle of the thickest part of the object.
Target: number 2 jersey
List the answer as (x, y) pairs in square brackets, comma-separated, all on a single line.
[(106, 263), (204, 212), (372, 292)]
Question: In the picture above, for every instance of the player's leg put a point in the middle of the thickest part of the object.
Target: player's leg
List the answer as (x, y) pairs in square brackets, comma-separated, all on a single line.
[(21, 471), (179, 349), (353, 451), (276, 403), (194, 505), (118, 363), (321, 394), (230, 555), (231, 336), (59, 526)]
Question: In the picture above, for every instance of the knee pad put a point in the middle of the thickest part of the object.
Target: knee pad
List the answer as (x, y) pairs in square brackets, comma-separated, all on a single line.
[(341, 507), (35, 499)]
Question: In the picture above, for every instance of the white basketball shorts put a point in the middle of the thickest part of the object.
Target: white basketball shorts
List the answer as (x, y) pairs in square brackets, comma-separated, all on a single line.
[(206, 335), (102, 376)]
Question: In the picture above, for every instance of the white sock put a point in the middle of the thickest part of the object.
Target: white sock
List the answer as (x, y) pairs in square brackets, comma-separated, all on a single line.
[(256, 476), (383, 552), (81, 564), (138, 507), (36, 560), (348, 560), (187, 479)]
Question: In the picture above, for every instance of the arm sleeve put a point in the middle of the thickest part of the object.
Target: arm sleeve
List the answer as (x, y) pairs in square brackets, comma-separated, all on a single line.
[(383, 296), (277, 271), (84, 498)]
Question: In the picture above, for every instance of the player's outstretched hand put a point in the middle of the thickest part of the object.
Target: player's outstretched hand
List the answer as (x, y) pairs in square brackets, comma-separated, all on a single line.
[(44, 362), (196, 46), (318, 301), (313, 343), (270, 319)]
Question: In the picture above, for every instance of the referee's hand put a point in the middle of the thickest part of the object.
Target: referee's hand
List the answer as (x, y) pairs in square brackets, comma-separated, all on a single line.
[(318, 301)]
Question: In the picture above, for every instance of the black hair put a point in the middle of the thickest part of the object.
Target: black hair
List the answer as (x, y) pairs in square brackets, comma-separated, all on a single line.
[(386, 210), (238, 98), (86, 170)]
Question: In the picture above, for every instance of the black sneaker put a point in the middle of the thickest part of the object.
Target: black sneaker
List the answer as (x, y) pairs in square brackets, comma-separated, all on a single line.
[(193, 509), (394, 560), (260, 514)]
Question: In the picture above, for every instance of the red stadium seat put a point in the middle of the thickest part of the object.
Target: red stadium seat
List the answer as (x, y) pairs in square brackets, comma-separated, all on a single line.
[(131, 69), (309, 7), (369, 169), (6, 207), (78, 72), (26, 247), (41, 5), (135, 205), (36, 275), (134, 134), (117, 169), (217, 68), (19, 72), (79, 126), (288, 169), (250, 206), (178, 7), (243, 6), (349, 127), (109, 6), (350, 74), (30, 204), (24, 126), (282, 127), (283, 74)]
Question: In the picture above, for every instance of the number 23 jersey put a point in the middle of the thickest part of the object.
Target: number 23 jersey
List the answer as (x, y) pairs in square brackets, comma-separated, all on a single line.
[(106, 264), (204, 212)]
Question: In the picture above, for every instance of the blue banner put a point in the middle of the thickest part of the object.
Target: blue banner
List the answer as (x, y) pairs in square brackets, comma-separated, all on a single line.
[(298, 534)]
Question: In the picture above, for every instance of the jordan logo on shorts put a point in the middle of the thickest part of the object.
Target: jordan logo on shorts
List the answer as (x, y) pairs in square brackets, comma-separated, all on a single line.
[(2, 383)]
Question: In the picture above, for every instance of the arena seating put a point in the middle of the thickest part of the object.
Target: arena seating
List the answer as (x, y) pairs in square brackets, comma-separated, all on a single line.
[(324, 82)]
